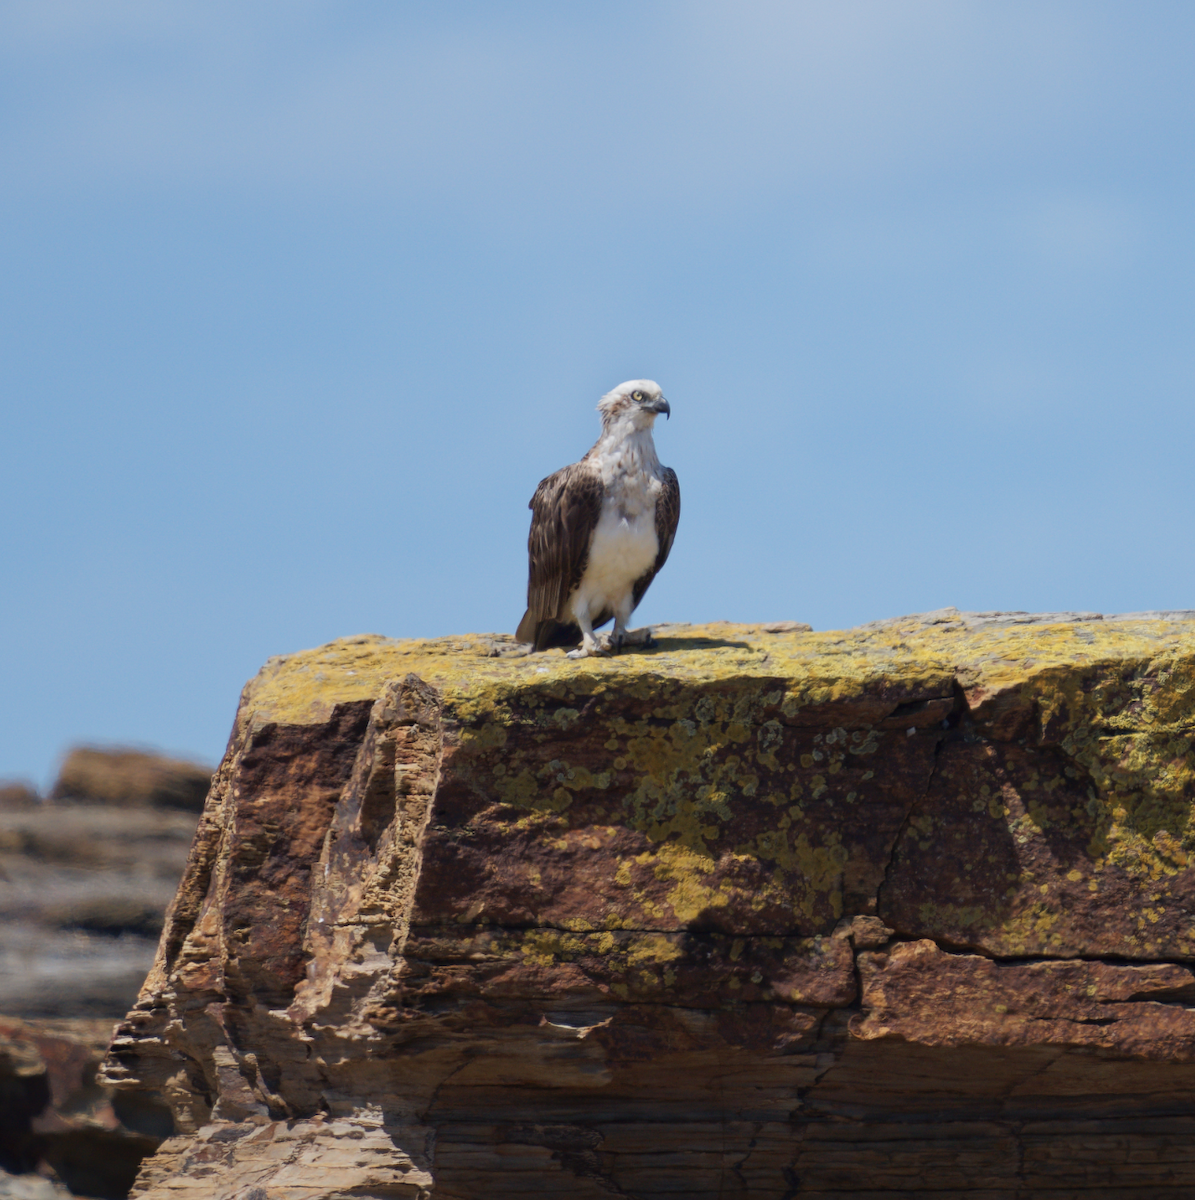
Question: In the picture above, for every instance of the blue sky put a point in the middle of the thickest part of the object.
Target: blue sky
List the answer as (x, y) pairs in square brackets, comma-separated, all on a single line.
[(302, 299)]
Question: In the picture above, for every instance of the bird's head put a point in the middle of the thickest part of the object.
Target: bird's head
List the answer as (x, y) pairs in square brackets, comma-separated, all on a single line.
[(638, 401)]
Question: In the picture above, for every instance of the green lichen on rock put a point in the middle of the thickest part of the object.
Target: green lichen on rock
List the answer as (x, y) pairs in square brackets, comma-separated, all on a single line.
[(773, 783), (713, 890)]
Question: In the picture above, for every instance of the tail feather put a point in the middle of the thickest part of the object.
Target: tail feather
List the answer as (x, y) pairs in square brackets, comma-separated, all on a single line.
[(526, 629), (548, 634)]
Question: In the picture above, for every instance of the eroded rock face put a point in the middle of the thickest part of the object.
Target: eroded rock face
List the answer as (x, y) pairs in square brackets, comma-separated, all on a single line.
[(55, 1120), (754, 914)]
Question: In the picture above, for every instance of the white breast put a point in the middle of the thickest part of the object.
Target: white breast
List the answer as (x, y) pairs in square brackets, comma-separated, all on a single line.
[(625, 543), (623, 548)]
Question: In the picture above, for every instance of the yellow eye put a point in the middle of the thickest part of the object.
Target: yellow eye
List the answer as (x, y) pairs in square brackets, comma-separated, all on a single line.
[(636, 395)]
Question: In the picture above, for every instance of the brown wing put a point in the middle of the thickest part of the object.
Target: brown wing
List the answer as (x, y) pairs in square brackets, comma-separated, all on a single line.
[(564, 512), (667, 518)]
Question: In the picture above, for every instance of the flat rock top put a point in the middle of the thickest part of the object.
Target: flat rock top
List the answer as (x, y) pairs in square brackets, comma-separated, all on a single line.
[(598, 921), (987, 652)]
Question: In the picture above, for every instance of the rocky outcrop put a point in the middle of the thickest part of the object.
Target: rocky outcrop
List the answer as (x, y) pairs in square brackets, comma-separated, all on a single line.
[(85, 880), (84, 883), (128, 778), (58, 1127), (17, 796), (905, 909)]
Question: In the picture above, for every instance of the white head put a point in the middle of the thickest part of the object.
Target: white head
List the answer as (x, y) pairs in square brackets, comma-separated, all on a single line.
[(637, 402)]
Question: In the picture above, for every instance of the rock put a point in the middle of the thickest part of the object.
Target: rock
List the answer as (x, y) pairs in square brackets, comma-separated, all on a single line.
[(112, 915), (130, 779), (865, 933), (82, 892), (56, 1120), (17, 796), (30, 1187), (901, 909)]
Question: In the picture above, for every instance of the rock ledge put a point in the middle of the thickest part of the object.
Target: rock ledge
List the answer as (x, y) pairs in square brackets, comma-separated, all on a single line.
[(906, 908)]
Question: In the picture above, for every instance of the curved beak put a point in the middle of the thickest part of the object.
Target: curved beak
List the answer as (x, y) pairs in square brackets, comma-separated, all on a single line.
[(662, 406)]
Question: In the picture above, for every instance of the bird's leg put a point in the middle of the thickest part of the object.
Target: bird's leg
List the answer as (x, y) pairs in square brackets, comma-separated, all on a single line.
[(589, 644), (622, 636)]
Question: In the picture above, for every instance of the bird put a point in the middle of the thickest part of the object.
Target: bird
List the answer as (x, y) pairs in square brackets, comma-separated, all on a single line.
[(601, 529)]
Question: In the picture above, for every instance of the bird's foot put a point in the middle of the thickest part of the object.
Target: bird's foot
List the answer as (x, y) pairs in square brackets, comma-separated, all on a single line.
[(591, 649)]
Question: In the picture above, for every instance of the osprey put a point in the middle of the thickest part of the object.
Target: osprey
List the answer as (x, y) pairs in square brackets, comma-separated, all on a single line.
[(601, 529)]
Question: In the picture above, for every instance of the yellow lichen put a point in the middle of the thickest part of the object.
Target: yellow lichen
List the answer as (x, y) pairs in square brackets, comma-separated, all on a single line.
[(716, 705)]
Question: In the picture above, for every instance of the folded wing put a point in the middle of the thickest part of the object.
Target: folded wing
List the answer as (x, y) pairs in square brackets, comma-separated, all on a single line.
[(667, 518), (564, 513)]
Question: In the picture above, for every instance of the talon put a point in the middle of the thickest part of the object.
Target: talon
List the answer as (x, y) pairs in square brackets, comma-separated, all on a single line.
[(597, 650)]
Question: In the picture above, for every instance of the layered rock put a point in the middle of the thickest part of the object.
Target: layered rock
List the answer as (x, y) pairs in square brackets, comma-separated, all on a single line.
[(85, 879), (58, 1127), (84, 882), (767, 914)]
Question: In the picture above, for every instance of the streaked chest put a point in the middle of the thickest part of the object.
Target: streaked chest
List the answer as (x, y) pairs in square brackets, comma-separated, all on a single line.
[(631, 477)]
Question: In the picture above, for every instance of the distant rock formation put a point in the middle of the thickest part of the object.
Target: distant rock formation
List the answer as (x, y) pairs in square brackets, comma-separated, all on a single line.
[(126, 778), (755, 914), (85, 879), (17, 796), (84, 882)]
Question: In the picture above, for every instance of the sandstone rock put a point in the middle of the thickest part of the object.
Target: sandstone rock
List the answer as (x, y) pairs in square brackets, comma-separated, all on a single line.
[(903, 909), (82, 893), (56, 1119), (17, 796), (130, 778)]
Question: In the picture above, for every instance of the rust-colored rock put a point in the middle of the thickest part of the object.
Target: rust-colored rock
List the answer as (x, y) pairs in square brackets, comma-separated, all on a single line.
[(919, 993), (760, 913)]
